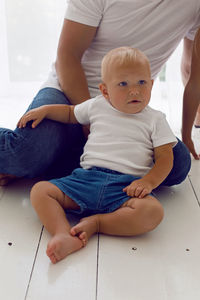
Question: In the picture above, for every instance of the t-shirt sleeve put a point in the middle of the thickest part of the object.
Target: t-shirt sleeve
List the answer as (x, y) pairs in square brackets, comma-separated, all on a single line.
[(191, 33), (162, 133), (87, 12), (82, 112)]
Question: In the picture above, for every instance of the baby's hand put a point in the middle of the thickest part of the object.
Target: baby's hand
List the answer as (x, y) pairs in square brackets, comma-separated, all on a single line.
[(36, 115), (138, 188)]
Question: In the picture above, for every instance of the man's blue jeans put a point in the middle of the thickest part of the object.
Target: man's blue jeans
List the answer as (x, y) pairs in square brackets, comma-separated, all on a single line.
[(53, 149)]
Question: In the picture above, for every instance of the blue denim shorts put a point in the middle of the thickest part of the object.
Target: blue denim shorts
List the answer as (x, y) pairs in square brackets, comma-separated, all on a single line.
[(96, 190)]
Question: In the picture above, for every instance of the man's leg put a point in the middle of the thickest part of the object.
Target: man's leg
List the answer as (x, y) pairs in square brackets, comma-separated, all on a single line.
[(51, 149), (136, 216), (50, 203), (181, 167)]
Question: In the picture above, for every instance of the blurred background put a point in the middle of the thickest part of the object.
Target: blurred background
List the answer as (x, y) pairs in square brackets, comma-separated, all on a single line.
[(29, 32)]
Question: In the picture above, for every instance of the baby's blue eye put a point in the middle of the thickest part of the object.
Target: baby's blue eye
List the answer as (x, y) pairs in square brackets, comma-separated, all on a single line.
[(123, 83), (141, 82)]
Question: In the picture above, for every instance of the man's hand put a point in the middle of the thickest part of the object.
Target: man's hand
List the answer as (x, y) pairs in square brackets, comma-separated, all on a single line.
[(138, 188), (36, 115), (190, 145)]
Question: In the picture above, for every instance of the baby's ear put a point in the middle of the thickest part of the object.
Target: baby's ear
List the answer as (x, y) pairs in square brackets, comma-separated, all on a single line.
[(103, 89)]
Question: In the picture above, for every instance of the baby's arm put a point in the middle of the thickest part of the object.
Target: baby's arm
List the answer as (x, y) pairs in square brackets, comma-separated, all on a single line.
[(163, 156), (58, 112)]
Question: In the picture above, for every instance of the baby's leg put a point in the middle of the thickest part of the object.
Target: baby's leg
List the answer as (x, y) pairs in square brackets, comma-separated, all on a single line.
[(136, 216), (49, 202)]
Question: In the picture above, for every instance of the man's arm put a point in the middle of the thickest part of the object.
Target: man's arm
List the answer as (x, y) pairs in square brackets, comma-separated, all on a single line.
[(163, 156), (75, 38), (186, 60), (191, 98)]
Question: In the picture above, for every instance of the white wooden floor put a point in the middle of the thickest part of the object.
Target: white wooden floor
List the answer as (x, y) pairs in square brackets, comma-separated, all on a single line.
[(164, 264), (161, 265)]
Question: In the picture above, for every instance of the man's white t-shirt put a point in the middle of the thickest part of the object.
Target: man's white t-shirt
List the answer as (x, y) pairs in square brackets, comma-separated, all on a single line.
[(154, 26), (120, 141)]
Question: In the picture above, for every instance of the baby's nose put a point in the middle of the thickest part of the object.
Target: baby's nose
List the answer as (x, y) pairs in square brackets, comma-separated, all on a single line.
[(134, 90)]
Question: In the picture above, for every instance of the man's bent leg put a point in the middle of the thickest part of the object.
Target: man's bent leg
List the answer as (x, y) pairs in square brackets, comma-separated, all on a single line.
[(52, 148), (181, 166)]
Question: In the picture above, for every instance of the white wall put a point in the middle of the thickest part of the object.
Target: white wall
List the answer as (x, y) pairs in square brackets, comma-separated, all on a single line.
[(29, 32)]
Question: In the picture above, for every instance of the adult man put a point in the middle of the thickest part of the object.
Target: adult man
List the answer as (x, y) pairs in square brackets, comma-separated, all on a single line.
[(91, 28)]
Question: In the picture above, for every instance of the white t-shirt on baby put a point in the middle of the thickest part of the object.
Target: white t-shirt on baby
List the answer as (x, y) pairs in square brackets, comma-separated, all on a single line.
[(154, 26), (120, 141)]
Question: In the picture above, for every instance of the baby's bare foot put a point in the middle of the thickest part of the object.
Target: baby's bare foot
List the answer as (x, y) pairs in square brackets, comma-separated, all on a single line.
[(62, 245), (86, 228)]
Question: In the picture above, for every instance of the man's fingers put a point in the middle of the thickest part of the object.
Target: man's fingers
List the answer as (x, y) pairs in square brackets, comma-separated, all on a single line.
[(193, 151), (195, 155)]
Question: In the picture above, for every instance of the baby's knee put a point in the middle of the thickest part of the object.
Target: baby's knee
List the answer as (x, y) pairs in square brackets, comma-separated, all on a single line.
[(150, 210), (38, 191), (154, 214)]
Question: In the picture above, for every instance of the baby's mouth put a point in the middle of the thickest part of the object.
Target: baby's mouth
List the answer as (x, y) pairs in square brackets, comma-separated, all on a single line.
[(134, 101)]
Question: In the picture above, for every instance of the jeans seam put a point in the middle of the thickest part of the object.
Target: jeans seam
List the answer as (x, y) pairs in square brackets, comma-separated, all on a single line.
[(102, 192)]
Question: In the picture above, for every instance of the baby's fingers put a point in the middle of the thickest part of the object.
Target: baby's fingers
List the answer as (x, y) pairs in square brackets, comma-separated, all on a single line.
[(138, 191), (127, 190), (29, 116), (22, 123), (143, 193), (36, 122)]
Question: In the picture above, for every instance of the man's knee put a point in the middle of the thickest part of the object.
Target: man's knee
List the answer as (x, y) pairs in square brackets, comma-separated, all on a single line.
[(181, 167)]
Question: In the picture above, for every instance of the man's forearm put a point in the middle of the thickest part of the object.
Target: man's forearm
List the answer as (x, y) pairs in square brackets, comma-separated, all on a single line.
[(72, 79), (191, 101), (186, 60)]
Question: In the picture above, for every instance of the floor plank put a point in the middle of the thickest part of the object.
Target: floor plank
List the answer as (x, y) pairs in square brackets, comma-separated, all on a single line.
[(19, 235), (72, 278), (162, 265), (166, 262), (2, 190)]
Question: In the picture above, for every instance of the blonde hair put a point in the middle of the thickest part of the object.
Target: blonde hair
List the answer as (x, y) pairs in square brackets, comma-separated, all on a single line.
[(122, 56)]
